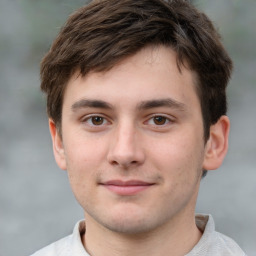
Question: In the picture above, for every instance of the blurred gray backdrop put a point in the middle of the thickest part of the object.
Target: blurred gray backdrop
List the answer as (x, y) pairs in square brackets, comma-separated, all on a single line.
[(36, 204)]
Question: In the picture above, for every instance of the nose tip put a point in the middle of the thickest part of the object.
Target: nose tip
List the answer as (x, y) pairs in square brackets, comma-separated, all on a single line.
[(124, 161), (125, 151)]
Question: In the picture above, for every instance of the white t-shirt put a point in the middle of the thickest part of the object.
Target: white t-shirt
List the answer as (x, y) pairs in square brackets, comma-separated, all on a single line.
[(212, 243)]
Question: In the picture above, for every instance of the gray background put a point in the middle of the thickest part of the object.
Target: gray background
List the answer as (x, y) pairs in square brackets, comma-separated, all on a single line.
[(36, 203)]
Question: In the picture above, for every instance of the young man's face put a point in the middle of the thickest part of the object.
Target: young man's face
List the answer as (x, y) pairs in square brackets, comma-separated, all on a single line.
[(132, 142)]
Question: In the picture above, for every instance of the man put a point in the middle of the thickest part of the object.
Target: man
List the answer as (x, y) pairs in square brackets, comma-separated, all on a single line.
[(137, 113)]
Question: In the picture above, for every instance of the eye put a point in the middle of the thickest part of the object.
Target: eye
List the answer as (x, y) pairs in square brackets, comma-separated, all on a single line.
[(159, 120), (95, 120)]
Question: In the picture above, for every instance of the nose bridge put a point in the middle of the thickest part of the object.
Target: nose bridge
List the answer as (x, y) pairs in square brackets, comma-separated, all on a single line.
[(125, 149)]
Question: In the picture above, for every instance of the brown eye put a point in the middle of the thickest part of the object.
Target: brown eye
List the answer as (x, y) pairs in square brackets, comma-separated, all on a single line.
[(160, 120), (97, 120)]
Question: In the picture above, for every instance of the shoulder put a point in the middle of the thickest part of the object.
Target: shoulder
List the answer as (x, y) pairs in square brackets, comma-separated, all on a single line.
[(226, 245), (67, 246), (59, 248), (213, 242)]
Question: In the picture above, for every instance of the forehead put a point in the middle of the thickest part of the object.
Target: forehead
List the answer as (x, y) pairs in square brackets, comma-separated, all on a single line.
[(149, 74)]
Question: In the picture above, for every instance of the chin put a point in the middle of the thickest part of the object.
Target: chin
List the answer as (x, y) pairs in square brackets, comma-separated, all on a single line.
[(129, 227), (130, 222)]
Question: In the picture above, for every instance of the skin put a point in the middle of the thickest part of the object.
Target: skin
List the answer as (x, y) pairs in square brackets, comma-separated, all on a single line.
[(132, 143)]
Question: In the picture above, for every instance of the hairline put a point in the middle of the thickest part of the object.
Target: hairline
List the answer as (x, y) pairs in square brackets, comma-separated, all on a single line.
[(180, 63)]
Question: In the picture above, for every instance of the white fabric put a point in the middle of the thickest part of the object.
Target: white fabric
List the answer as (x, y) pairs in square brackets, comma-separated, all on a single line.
[(212, 243)]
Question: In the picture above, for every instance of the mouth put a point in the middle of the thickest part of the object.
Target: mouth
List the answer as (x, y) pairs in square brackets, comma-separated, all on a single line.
[(126, 188)]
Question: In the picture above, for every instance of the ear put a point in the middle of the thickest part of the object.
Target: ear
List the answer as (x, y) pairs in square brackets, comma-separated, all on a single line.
[(217, 144), (58, 149)]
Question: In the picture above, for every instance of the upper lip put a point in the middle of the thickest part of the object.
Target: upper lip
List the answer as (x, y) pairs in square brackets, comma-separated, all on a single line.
[(127, 183)]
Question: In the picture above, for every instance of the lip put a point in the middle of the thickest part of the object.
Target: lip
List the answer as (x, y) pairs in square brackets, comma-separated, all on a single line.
[(126, 188)]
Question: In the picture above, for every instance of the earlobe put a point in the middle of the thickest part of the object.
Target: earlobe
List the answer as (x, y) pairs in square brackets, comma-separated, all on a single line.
[(217, 144), (58, 149)]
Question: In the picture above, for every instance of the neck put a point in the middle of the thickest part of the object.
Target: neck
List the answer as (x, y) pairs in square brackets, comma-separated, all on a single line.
[(178, 236)]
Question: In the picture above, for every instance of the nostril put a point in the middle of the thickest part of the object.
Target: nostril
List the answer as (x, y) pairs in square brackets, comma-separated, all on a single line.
[(124, 164), (114, 162)]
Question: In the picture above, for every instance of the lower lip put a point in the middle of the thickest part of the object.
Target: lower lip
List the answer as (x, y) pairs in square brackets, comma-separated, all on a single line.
[(127, 190)]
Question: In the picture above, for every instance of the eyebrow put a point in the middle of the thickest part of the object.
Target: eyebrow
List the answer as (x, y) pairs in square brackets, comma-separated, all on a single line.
[(167, 102), (144, 105), (86, 103)]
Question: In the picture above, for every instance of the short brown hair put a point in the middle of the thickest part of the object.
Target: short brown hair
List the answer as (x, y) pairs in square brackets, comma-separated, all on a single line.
[(97, 36)]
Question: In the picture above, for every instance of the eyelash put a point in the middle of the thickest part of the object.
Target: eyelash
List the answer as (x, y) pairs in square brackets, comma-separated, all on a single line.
[(89, 120), (167, 120), (150, 121)]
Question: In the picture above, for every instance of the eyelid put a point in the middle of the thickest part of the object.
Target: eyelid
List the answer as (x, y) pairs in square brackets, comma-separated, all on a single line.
[(169, 118), (87, 117)]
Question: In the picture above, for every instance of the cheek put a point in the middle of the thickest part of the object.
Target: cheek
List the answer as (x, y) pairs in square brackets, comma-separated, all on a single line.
[(180, 165), (179, 158), (178, 150), (84, 159), (81, 170), (82, 152)]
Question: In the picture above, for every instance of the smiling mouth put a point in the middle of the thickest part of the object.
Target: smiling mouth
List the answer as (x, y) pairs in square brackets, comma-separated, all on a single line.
[(126, 188)]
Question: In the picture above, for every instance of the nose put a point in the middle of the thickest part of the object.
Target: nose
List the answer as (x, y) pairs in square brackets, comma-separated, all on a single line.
[(125, 149)]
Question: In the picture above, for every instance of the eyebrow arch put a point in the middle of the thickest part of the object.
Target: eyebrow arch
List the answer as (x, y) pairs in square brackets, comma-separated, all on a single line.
[(168, 102), (85, 103)]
